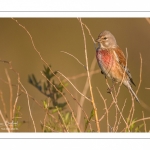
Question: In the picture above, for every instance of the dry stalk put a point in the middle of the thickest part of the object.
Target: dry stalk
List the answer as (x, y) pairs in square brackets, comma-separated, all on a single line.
[(74, 58), (132, 110), (64, 125), (42, 57), (92, 97), (106, 109), (118, 107), (3, 103), (11, 96), (142, 119), (120, 116), (15, 104), (4, 121), (47, 127), (22, 90), (65, 100), (46, 115), (85, 90), (144, 122), (28, 105), (83, 75), (74, 86)]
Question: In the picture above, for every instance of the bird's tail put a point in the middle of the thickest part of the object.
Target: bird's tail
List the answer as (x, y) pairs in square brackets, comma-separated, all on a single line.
[(134, 94)]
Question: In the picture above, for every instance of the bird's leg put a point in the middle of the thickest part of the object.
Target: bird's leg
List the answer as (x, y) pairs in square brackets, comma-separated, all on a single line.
[(103, 73), (109, 90)]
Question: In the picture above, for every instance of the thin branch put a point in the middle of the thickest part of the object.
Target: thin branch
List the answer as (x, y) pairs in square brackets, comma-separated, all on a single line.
[(74, 86), (118, 107), (106, 109), (93, 102), (74, 58), (4, 121), (18, 88), (11, 95), (85, 90), (3, 103), (83, 74), (47, 127), (142, 119), (120, 115), (64, 124), (65, 100), (144, 122), (46, 115), (28, 105)]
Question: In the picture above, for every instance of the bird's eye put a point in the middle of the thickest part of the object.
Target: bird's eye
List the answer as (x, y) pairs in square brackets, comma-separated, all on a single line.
[(105, 38)]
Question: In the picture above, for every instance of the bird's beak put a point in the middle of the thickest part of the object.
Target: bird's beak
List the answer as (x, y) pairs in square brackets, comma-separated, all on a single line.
[(97, 40)]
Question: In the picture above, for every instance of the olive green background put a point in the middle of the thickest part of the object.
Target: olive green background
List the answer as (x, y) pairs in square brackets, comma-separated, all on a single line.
[(52, 35)]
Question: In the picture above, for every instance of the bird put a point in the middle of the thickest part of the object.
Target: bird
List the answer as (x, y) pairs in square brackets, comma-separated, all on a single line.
[(112, 61)]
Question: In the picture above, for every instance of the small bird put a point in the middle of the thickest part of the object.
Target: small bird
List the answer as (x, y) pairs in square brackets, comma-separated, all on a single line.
[(112, 61)]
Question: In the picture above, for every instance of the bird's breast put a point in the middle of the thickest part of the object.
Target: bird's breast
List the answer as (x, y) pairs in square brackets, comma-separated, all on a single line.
[(104, 57)]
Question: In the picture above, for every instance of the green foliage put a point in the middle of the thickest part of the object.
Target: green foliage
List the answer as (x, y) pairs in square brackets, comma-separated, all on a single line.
[(59, 120), (49, 87), (87, 121), (133, 127), (16, 122), (64, 123)]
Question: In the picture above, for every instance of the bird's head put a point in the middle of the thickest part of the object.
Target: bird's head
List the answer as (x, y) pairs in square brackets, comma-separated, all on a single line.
[(106, 40)]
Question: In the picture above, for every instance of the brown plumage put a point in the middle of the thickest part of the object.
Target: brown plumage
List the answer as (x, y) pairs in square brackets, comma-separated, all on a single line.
[(112, 61)]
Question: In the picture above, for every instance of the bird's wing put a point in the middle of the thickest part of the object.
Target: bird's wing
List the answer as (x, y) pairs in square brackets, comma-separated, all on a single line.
[(122, 60)]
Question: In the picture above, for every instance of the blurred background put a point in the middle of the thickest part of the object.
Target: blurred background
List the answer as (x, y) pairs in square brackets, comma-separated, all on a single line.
[(53, 35)]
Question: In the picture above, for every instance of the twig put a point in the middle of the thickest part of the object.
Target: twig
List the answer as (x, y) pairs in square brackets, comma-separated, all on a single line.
[(50, 69), (11, 95), (132, 110), (74, 58), (120, 115), (106, 109), (142, 119), (93, 102), (144, 122), (64, 124), (106, 112), (18, 88), (4, 122), (85, 90), (24, 91), (47, 127), (3, 103), (46, 115), (118, 108), (28, 105), (89, 32), (74, 86), (65, 100), (83, 75)]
